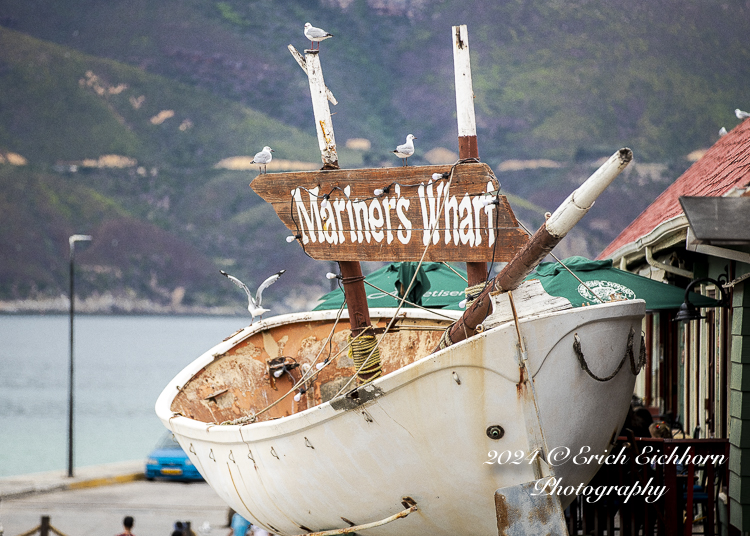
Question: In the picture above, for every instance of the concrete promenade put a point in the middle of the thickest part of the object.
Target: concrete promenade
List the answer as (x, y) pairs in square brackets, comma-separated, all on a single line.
[(95, 501), (13, 487)]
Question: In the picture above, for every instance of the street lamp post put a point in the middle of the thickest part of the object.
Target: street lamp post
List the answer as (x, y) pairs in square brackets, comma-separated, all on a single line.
[(72, 241)]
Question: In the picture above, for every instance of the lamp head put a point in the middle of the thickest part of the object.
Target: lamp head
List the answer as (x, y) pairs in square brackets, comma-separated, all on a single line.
[(687, 312)]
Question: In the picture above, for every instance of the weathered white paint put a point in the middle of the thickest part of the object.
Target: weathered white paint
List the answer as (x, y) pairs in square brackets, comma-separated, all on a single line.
[(582, 199), (301, 62), (323, 123), (467, 125), (425, 436)]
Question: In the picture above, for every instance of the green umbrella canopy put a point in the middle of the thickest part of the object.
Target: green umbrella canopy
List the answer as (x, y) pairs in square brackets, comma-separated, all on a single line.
[(605, 280), (444, 289)]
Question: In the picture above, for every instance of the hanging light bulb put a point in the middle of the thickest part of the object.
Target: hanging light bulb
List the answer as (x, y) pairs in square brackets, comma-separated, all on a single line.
[(378, 191), (462, 303), (278, 373), (324, 203), (437, 176), (297, 397), (291, 239), (331, 275)]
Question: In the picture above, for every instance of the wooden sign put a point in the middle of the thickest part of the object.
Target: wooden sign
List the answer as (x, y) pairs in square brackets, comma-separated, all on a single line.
[(392, 214)]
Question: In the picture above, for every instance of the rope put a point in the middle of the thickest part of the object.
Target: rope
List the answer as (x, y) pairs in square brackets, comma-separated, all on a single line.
[(396, 296), (635, 368), (349, 530), (366, 356), (454, 270), (445, 340), (249, 419), (414, 277), (472, 293), (568, 269), (32, 531), (39, 529), (53, 529)]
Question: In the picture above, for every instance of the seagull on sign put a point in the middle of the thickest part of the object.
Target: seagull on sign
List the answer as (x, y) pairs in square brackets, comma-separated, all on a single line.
[(315, 35), (740, 114), (253, 304), (406, 150), (263, 157)]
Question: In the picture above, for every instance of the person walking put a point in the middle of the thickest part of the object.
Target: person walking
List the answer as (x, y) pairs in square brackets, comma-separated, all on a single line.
[(127, 525), (239, 526)]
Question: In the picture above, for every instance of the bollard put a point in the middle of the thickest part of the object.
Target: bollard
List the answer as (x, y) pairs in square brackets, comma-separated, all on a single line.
[(44, 526)]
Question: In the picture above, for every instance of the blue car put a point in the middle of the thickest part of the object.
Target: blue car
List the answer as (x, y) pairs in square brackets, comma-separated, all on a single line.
[(169, 461)]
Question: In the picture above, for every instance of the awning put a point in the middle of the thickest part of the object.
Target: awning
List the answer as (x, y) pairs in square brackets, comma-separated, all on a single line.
[(610, 283), (445, 289)]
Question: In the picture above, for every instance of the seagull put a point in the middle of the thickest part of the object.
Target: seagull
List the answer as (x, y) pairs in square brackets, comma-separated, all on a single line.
[(263, 157), (740, 114), (315, 35), (253, 304), (722, 132), (406, 150)]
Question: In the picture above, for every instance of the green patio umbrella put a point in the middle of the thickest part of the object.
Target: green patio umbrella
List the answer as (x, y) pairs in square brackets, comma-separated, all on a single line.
[(604, 280), (439, 286)]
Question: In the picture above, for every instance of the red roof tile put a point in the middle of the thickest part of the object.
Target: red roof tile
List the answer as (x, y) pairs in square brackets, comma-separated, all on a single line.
[(726, 165)]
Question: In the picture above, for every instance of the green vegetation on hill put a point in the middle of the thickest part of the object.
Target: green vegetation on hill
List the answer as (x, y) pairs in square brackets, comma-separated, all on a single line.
[(174, 86)]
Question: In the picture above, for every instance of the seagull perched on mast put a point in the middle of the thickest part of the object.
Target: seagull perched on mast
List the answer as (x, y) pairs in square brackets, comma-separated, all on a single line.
[(263, 157), (406, 150), (253, 304), (315, 35)]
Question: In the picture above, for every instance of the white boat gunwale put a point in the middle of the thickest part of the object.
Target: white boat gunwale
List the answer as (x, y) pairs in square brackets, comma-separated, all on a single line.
[(313, 416)]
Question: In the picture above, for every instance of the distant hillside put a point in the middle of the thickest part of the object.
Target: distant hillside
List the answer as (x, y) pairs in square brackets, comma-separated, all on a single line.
[(552, 79), (114, 114), (63, 106)]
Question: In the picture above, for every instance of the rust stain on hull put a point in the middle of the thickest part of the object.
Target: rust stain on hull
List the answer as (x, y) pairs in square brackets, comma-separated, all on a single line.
[(242, 377)]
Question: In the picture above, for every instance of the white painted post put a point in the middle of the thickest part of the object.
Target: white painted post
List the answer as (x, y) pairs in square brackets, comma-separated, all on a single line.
[(323, 123), (467, 125)]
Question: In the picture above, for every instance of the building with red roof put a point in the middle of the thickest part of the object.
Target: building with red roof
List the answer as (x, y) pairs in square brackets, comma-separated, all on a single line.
[(696, 234), (724, 168)]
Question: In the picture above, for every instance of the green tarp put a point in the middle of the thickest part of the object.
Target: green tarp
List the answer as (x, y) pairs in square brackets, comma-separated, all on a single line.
[(605, 280), (446, 289), (440, 289)]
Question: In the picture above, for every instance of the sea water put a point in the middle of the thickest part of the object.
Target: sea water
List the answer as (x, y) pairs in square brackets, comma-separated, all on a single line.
[(121, 365)]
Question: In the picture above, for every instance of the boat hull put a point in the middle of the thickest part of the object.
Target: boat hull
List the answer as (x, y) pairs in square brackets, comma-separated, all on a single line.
[(422, 431)]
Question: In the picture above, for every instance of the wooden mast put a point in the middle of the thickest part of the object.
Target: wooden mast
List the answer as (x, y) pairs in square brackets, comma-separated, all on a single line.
[(567, 215), (467, 126), (351, 271)]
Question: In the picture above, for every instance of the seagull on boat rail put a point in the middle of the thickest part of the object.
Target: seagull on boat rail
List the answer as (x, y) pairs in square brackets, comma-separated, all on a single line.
[(263, 157), (406, 150), (253, 304), (315, 35)]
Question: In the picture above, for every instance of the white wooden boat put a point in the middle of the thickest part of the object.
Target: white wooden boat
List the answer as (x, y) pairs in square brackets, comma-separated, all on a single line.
[(420, 431), (520, 377)]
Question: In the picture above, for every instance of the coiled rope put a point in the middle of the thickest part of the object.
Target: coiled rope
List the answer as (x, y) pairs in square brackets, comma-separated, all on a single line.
[(472, 293), (366, 356)]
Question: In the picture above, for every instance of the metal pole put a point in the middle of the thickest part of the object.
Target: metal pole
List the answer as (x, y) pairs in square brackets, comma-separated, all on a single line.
[(72, 242), (71, 295)]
